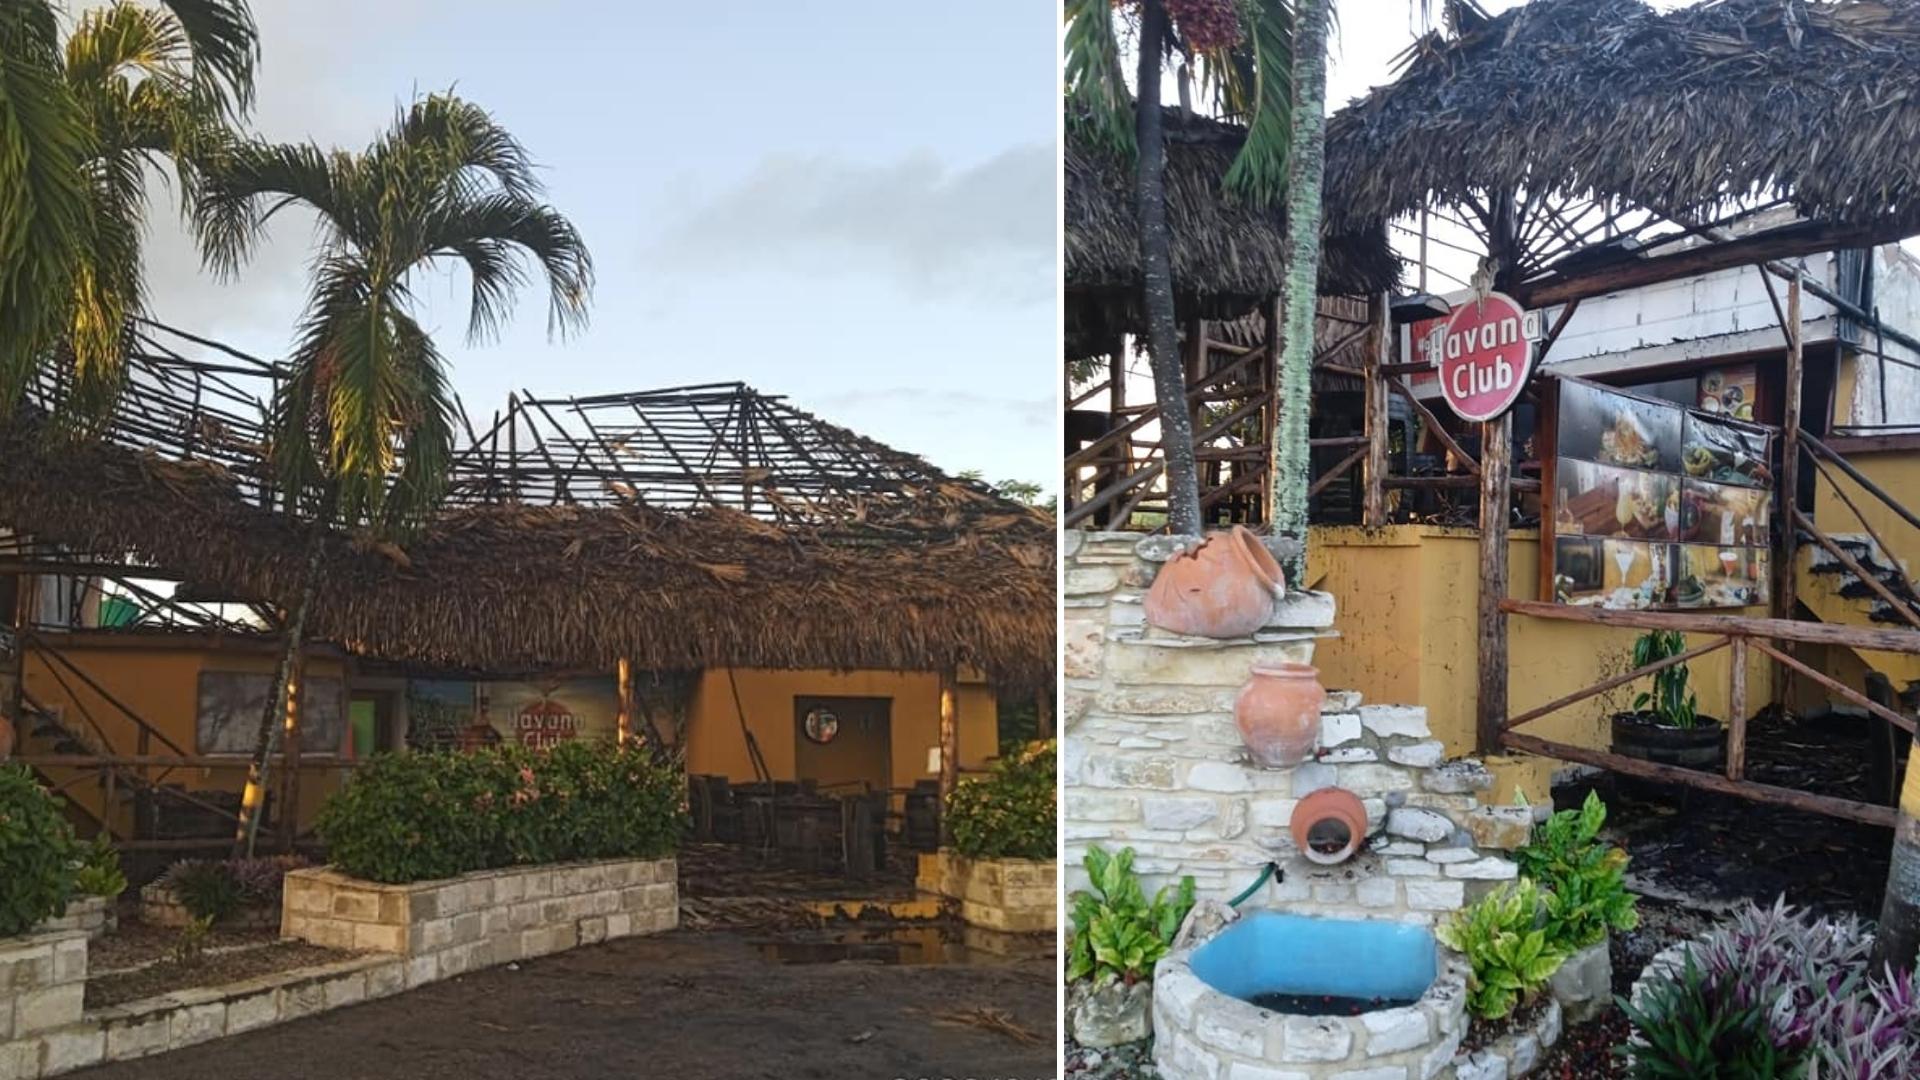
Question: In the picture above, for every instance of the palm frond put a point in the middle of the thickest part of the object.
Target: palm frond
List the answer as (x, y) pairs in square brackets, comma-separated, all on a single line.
[(441, 139), (44, 209), (490, 234), (1096, 87), (245, 184), (424, 432), (1256, 84), (225, 44)]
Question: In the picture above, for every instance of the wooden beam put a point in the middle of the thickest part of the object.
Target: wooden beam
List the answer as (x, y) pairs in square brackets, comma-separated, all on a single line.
[(949, 750), (623, 674), (1437, 429), (1816, 633), (1339, 469), (1745, 789), (1860, 478), (1873, 534), (1904, 723), (1373, 512), (1496, 459), (1785, 242), (1609, 683), (1853, 565), (1737, 710), (1788, 498)]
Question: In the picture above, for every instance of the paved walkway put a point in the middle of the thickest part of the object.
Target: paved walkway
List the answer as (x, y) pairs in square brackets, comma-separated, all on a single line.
[(709, 1006)]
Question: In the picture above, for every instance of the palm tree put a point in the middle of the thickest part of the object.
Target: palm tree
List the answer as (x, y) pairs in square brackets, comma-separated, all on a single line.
[(361, 430), (1247, 68), (1897, 942), (134, 88), (1292, 456)]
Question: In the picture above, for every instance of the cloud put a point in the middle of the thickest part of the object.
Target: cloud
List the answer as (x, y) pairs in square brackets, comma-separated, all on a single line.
[(985, 231)]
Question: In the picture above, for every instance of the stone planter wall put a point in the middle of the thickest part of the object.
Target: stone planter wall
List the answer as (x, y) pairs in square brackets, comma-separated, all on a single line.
[(1200, 1032), (1151, 759), (43, 986), (161, 906), (93, 915), (1010, 895), (445, 928)]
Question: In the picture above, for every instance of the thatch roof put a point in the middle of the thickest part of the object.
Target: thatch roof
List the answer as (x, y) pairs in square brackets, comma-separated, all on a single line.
[(932, 573), (1815, 101), (1227, 256)]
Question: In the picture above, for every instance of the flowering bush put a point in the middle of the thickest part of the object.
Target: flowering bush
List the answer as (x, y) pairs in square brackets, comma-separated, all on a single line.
[(1803, 980), (418, 816), (1010, 814)]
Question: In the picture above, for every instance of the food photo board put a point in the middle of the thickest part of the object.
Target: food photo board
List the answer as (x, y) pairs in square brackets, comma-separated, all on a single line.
[(1651, 505)]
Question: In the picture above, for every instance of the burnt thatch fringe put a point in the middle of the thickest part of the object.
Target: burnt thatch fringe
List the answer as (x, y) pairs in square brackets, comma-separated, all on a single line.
[(1815, 101), (510, 588), (1227, 256)]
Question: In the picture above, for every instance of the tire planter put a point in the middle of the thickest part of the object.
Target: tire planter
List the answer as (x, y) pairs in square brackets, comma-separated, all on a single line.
[(1702, 747)]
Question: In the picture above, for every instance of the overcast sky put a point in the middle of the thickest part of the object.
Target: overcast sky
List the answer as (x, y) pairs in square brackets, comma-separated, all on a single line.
[(849, 202)]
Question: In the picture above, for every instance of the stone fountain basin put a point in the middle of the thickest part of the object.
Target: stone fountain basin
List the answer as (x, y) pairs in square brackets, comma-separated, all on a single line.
[(1205, 1028)]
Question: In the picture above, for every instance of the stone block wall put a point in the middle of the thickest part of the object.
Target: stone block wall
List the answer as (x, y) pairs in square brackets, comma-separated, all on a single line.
[(1011, 895), (43, 984), (1151, 759), (448, 927), (94, 915), (161, 906)]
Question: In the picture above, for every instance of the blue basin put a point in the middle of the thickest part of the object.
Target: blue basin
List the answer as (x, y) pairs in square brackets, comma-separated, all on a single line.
[(1269, 953)]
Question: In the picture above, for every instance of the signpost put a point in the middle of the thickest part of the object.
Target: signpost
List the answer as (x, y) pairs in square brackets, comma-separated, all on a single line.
[(1485, 354)]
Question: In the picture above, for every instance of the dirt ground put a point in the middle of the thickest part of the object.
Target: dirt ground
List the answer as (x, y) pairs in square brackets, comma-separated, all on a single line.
[(689, 1004)]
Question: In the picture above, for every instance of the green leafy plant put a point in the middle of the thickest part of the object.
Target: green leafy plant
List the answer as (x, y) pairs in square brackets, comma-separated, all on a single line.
[(37, 850), (1115, 931), (206, 888), (1670, 701), (190, 947), (1011, 813), (1688, 1027), (1504, 939), (98, 871), (1585, 879), (419, 816)]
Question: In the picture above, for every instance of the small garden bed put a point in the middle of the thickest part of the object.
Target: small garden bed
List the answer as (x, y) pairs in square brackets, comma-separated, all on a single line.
[(211, 969), (138, 944)]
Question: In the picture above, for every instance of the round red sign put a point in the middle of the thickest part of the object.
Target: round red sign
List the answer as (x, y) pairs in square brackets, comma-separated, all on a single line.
[(1485, 357)]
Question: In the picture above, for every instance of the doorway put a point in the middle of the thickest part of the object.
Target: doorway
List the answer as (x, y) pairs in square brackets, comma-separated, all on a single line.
[(843, 744)]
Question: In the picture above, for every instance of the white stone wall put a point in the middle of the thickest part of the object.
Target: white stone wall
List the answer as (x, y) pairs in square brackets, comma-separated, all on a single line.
[(1014, 896), (446, 928), (1151, 759), (43, 984)]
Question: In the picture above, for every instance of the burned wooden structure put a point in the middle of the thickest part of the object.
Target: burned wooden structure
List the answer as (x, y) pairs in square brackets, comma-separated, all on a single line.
[(638, 535)]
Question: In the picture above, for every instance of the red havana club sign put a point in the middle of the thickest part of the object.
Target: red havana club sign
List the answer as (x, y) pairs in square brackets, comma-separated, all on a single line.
[(1486, 356)]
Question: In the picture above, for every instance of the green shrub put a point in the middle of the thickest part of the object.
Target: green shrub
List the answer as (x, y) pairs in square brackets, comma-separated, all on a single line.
[(1585, 878), (37, 850), (1670, 701), (205, 889), (1115, 932), (1011, 813), (419, 816), (1503, 938), (98, 871), (1690, 1028)]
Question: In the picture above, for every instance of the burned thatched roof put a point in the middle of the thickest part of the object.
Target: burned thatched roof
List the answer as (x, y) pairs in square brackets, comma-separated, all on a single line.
[(1227, 256), (1681, 112), (913, 571)]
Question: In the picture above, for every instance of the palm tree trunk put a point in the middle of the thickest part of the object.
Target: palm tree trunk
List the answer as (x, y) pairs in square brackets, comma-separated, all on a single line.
[(1897, 942), (1156, 269), (1292, 458), (273, 717)]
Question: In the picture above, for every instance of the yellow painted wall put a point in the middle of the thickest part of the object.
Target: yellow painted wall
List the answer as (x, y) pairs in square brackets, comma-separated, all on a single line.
[(162, 684), (716, 745), (1406, 608)]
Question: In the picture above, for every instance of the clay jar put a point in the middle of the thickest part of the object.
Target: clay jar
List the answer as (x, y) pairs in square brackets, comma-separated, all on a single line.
[(1329, 825), (1278, 713), (1224, 588)]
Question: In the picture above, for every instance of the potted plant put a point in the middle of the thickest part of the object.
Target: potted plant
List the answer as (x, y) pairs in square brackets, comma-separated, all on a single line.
[(1665, 724), (1116, 938)]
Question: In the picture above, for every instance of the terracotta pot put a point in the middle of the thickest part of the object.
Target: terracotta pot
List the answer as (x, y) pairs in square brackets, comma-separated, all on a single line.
[(1224, 588), (1278, 713), (1329, 825)]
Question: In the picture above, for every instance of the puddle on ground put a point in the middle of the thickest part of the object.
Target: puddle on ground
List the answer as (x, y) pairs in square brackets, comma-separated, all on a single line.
[(910, 945)]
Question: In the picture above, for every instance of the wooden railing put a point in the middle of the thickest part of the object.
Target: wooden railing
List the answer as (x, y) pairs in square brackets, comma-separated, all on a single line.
[(1743, 635)]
